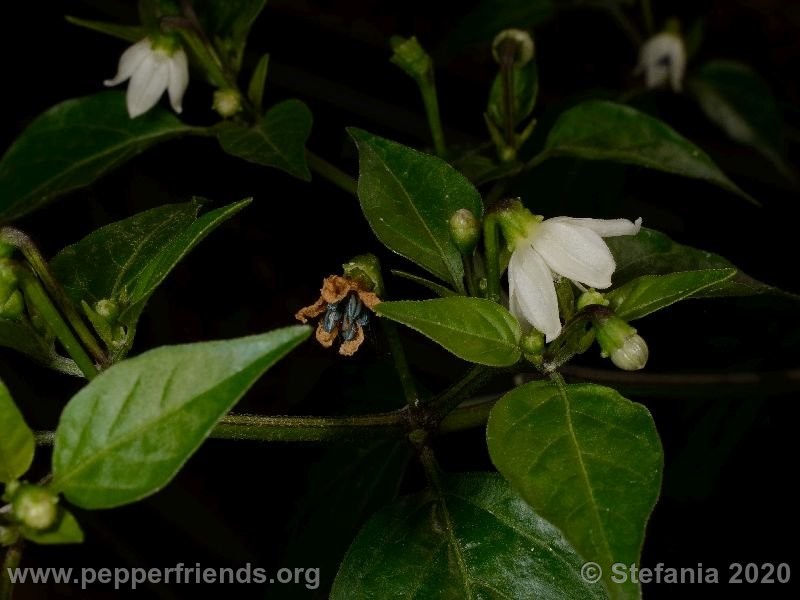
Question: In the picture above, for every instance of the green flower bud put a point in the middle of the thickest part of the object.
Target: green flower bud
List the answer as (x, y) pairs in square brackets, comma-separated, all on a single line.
[(8, 535), (227, 102), (107, 309), (14, 307), (590, 297), (411, 57), (620, 342), (366, 270), (533, 342), (517, 41), (465, 230), (35, 507)]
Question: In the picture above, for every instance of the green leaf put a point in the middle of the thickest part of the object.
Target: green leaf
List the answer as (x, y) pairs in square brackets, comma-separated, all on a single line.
[(474, 329), (277, 140), (649, 293), (436, 288), (258, 81), (65, 531), (16, 439), (477, 540), (653, 253), (126, 434), (127, 260), (73, 144), (22, 337), (525, 89), (734, 97), (229, 23), (130, 33), (490, 17), (601, 130), (408, 198), (586, 459)]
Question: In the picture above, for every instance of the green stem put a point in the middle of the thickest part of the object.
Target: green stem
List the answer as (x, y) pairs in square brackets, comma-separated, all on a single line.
[(469, 275), (401, 362), (647, 16), (38, 299), (11, 561), (332, 173), (491, 249), (468, 417), (445, 403), (427, 87), (25, 244)]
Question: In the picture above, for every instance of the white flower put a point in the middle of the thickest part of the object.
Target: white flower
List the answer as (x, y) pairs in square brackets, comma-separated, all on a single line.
[(153, 66), (565, 247), (662, 58)]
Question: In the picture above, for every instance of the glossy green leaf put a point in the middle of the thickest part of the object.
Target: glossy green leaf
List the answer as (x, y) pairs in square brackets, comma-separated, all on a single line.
[(490, 17), (258, 81), (229, 23), (277, 140), (601, 130), (586, 459), (649, 293), (22, 337), (525, 89), (474, 329), (737, 99), (334, 509), (477, 540), (127, 260), (408, 198), (16, 439), (653, 253), (126, 434), (130, 33), (65, 531), (73, 144), (436, 288)]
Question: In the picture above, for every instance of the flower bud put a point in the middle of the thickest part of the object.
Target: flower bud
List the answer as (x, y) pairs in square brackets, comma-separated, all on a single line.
[(533, 342), (590, 297), (517, 41), (227, 102), (620, 342), (465, 230), (35, 507), (411, 57), (107, 309)]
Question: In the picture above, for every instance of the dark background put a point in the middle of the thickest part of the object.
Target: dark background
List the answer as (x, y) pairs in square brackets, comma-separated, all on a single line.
[(730, 451)]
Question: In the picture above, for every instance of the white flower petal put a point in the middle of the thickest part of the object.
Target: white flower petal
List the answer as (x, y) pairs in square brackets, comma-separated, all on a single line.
[(178, 79), (130, 61), (147, 84), (532, 292), (604, 227), (663, 58), (575, 252)]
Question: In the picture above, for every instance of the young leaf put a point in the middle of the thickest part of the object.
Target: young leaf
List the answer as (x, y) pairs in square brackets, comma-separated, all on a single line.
[(477, 540), (586, 459), (741, 103), (649, 293), (130, 33), (126, 434), (16, 439), (258, 81), (525, 89), (83, 139), (474, 329), (127, 260), (277, 140), (653, 253), (20, 336), (601, 130), (408, 198), (436, 288), (65, 531)]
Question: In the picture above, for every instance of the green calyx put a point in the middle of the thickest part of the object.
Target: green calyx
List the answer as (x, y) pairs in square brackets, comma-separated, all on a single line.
[(620, 342), (591, 297), (166, 43), (410, 56), (516, 222), (366, 270)]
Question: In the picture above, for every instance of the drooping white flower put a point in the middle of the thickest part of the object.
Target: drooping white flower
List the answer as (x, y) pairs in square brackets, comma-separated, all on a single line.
[(662, 58), (557, 247), (153, 67)]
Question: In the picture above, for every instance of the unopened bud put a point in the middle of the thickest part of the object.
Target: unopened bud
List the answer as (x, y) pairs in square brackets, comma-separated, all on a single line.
[(620, 342), (107, 309), (227, 102), (533, 342), (35, 506), (517, 41), (465, 230), (590, 297), (410, 56)]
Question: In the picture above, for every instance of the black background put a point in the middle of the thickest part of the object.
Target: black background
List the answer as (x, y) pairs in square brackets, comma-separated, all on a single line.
[(730, 451)]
